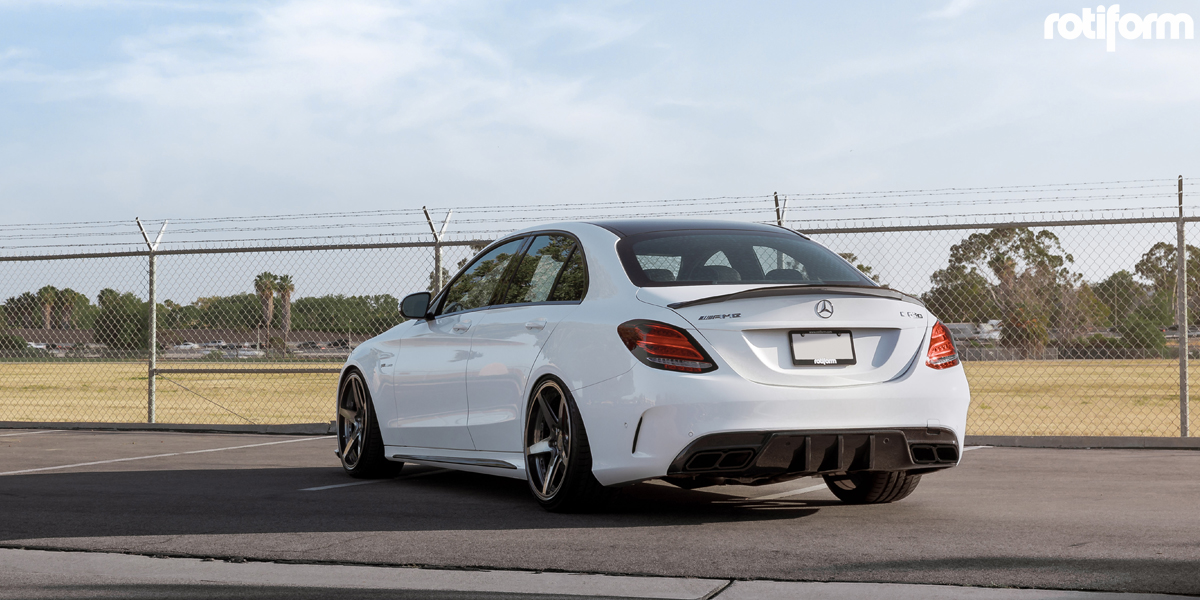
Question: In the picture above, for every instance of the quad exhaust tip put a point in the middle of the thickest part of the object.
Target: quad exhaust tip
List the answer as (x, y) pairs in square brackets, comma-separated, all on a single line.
[(720, 459), (925, 454)]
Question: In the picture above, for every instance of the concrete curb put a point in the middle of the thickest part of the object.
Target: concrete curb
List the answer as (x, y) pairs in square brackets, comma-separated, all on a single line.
[(1099, 442), (282, 429), (34, 570)]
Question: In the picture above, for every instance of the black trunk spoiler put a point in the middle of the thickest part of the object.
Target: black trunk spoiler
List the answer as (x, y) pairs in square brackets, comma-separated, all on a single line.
[(803, 290)]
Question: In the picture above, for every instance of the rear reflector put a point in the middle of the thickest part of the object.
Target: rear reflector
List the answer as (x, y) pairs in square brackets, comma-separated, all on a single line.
[(942, 354), (664, 346)]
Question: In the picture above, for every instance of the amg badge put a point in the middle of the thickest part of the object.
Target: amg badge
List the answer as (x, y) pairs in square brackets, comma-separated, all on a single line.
[(724, 316)]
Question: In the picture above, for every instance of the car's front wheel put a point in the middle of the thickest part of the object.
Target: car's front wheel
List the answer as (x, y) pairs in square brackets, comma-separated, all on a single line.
[(360, 445), (558, 459), (872, 487)]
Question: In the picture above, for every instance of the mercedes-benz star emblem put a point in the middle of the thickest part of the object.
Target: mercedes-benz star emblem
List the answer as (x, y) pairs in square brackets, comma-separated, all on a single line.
[(825, 309)]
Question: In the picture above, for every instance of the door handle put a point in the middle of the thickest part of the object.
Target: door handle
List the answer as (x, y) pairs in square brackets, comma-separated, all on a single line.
[(461, 327), (535, 325)]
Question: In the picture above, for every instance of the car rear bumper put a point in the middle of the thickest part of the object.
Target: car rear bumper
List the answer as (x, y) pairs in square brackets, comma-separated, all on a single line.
[(641, 424), (766, 456)]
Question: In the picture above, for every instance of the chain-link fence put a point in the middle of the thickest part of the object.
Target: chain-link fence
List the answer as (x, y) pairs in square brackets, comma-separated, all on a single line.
[(1064, 327), (242, 336)]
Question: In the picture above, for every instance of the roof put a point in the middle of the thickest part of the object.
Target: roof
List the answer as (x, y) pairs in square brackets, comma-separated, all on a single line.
[(630, 227)]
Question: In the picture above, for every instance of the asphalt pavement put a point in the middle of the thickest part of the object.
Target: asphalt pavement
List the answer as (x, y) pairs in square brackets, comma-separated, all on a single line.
[(1007, 518)]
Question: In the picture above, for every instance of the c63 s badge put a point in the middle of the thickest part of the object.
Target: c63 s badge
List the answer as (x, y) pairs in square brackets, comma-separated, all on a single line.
[(724, 316)]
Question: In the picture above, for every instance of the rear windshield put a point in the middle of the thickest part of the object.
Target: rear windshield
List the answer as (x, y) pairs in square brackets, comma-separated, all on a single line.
[(714, 257)]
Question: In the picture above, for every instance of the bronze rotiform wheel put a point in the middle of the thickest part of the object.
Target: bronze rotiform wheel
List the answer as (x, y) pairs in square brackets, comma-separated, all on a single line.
[(360, 445), (558, 460), (872, 487)]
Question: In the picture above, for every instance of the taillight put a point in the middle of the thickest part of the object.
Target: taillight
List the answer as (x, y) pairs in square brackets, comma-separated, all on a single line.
[(942, 354), (664, 346)]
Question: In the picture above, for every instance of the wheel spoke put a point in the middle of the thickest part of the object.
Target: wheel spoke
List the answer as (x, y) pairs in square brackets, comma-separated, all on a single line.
[(547, 414), (347, 413), (541, 447), (549, 476), (350, 441), (359, 396)]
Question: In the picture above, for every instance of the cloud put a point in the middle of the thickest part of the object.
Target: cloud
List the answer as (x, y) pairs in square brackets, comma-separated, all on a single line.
[(954, 9)]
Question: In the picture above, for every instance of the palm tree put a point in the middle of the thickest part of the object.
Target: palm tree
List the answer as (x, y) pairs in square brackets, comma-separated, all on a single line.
[(286, 287), (46, 297), (264, 285), (68, 301)]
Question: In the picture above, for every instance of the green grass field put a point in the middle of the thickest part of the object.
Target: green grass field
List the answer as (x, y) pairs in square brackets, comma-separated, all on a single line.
[(1098, 397), (115, 392)]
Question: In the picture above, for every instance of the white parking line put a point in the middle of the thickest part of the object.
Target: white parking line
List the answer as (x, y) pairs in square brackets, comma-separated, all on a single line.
[(117, 460), (354, 483), (340, 485), (965, 448), (29, 433), (815, 488)]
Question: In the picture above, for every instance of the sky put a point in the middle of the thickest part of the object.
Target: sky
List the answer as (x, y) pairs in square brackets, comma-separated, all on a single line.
[(116, 109)]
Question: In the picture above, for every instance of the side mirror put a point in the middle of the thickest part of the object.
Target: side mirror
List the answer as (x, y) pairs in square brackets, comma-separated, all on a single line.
[(414, 306)]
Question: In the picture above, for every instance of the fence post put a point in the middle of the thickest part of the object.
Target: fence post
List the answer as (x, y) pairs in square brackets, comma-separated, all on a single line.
[(437, 266), (1182, 313), (152, 368), (437, 248), (150, 373)]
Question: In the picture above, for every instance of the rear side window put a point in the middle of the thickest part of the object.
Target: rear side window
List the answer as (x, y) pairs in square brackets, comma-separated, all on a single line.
[(475, 286), (572, 283), (550, 271), (716, 257)]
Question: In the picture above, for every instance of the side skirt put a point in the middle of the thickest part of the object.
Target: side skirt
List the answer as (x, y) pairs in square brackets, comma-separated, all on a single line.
[(504, 464)]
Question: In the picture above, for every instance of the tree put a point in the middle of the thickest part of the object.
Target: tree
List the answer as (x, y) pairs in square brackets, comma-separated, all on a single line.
[(1158, 266), (370, 315), (123, 321), (475, 249), (1028, 280), (853, 259), (20, 311), (70, 304), (1122, 294), (264, 286), (46, 297), (960, 295), (286, 287), (239, 311), (1080, 311), (12, 346)]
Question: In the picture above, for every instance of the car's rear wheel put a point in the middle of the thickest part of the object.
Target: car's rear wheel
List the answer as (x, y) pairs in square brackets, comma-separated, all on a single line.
[(558, 459), (872, 487), (360, 445)]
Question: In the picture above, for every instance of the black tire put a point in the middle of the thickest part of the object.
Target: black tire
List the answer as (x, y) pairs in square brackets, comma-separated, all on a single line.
[(360, 446), (872, 487), (559, 485)]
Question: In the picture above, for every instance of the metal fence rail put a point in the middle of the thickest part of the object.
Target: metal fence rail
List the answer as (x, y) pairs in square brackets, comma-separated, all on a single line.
[(1066, 327)]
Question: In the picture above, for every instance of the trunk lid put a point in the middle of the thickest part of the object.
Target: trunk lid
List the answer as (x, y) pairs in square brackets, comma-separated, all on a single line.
[(750, 328)]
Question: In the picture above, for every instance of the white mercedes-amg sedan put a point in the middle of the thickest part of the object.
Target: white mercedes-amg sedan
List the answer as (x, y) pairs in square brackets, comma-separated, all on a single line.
[(583, 356)]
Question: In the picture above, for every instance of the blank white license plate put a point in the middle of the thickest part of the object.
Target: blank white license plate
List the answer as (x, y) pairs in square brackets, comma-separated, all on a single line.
[(822, 348)]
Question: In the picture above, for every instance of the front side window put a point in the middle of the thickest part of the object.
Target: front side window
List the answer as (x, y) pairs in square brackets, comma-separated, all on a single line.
[(717, 257), (551, 270), (475, 286)]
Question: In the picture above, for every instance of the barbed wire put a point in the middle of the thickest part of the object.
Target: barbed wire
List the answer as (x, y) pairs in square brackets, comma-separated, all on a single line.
[(367, 224), (541, 216), (1080, 186)]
